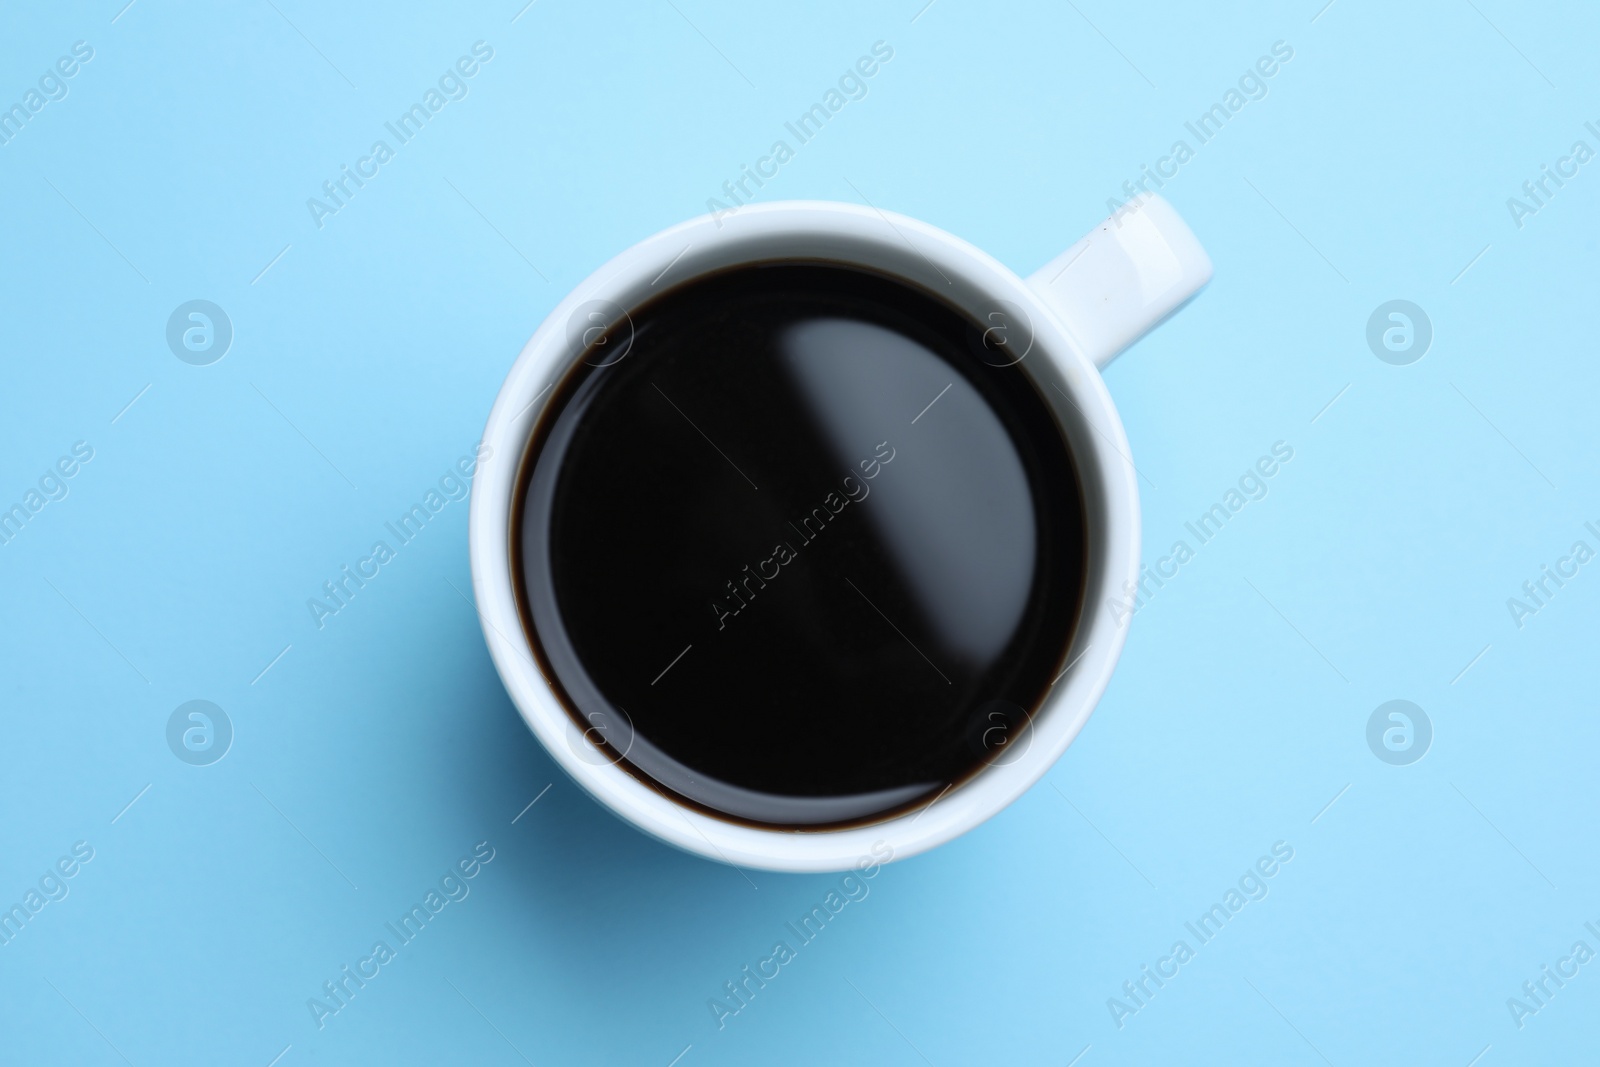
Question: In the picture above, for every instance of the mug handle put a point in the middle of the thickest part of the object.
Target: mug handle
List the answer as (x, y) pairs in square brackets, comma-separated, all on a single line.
[(1133, 270)]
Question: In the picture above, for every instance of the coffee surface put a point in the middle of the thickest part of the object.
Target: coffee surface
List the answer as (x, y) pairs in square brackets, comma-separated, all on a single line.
[(800, 544)]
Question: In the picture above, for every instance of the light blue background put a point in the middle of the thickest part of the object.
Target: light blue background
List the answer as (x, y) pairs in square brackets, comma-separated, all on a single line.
[(379, 749)]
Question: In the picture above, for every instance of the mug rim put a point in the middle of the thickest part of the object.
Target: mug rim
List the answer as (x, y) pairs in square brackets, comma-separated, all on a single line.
[(879, 241)]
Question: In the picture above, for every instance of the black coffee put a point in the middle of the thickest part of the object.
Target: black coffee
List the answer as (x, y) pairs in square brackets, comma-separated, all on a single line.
[(800, 544)]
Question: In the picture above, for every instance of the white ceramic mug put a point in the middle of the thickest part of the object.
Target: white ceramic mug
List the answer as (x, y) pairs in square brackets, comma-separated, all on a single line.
[(1083, 307)]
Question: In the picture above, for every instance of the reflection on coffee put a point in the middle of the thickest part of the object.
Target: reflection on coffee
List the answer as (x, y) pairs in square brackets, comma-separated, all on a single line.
[(809, 552)]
